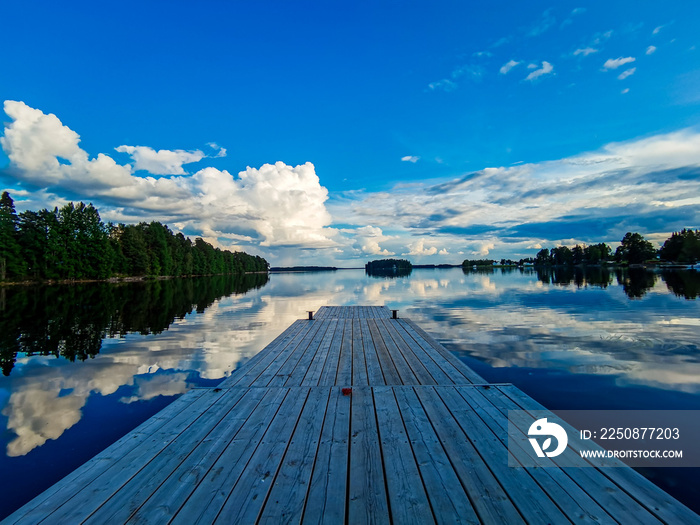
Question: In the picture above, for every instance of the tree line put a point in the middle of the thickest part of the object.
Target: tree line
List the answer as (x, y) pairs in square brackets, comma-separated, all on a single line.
[(680, 248), (73, 243), (389, 268)]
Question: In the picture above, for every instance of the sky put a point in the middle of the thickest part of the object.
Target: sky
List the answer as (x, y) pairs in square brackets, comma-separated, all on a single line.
[(340, 132)]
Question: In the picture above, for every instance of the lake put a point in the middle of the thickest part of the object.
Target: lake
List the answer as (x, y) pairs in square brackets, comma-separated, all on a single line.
[(84, 364)]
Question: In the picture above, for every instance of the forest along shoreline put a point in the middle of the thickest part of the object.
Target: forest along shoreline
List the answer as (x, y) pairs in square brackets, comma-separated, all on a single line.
[(72, 244)]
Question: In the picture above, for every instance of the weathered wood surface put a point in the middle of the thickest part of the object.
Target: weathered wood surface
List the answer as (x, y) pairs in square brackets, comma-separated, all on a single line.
[(419, 438)]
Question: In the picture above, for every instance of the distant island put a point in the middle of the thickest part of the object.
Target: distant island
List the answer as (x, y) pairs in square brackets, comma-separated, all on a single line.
[(389, 268)]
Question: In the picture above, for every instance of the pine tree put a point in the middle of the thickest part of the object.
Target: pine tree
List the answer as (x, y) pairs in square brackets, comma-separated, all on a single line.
[(11, 263)]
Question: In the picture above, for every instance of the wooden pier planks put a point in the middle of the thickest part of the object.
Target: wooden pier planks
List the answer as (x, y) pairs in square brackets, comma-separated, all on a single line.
[(353, 417)]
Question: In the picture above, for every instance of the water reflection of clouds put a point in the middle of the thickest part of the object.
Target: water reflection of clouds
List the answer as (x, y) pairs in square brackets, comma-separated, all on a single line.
[(504, 320)]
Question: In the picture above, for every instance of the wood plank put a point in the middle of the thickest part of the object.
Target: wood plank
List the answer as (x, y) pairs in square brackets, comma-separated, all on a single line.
[(204, 504), (326, 499), (406, 374), (408, 500), (322, 312), (578, 506), (285, 503), (490, 501), (389, 365), (531, 501), (367, 493), (297, 366), (250, 374), (203, 441), (166, 499), (448, 499), (345, 360), (249, 494), (75, 503), (275, 367), (359, 368), (275, 346), (315, 369), (593, 481), (426, 370), (458, 371), (630, 482), (332, 364), (374, 369)]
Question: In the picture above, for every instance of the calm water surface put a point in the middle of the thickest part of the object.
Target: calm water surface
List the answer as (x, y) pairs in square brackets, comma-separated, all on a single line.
[(85, 364)]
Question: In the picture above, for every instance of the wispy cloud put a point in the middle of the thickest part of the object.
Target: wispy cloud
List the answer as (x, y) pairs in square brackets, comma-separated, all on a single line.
[(585, 51), (546, 69), (627, 73), (570, 20), (599, 38), (625, 91), (650, 50), (614, 63), (410, 158), (546, 21), (220, 152), (471, 72), (442, 85), (648, 185), (660, 28), (508, 66)]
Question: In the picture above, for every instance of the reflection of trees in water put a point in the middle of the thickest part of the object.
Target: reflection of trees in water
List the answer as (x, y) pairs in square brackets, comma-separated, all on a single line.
[(636, 281), (72, 320), (683, 283), (582, 277), (389, 273)]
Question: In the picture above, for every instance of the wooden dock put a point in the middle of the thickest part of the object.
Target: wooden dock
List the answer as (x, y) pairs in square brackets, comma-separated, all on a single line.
[(352, 417)]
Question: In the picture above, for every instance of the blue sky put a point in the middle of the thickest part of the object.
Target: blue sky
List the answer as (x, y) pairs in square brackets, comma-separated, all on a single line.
[(315, 132)]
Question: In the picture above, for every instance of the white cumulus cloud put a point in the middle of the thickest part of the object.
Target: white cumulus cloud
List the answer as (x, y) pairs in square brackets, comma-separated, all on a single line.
[(419, 248), (368, 238), (410, 158), (275, 205)]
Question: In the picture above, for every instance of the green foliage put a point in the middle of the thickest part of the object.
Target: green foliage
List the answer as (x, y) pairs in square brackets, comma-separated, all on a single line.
[(389, 267), (682, 247), (468, 263), (389, 264), (634, 249), (578, 255), (11, 262), (73, 243)]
